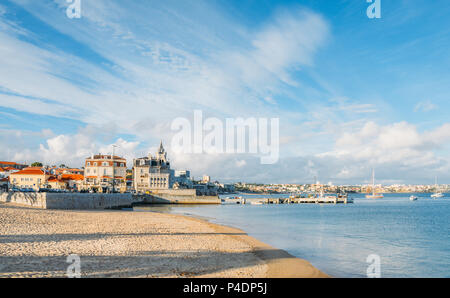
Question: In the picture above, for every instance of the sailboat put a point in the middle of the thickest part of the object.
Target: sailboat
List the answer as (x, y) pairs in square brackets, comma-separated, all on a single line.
[(374, 195), (437, 194)]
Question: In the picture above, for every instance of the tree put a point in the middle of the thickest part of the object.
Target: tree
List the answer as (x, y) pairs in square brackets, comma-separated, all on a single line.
[(36, 164)]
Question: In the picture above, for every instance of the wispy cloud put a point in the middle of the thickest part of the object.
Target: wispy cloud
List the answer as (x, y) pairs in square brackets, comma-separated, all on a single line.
[(425, 106)]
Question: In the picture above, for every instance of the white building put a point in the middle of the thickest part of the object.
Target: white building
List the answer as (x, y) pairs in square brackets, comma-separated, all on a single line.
[(105, 172), (153, 173)]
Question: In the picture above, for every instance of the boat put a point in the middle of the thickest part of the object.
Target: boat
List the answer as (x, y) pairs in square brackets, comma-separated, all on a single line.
[(374, 195), (437, 194), (413, 198), (256, 203)]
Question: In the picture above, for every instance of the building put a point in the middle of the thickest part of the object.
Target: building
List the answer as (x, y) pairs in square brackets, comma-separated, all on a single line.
[(208, 189), (182, 180), (105, 173), (62, 171), (152, 172), (30, 178), (4, 177), (4, 184), (206, 179), (5, 172), (9, 164), (70, 182)]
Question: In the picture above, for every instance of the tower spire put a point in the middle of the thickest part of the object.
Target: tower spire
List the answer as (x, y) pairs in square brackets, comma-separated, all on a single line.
[(161, 147)]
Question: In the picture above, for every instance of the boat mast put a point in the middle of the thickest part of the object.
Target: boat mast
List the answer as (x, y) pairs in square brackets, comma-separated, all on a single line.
[(373, 181)]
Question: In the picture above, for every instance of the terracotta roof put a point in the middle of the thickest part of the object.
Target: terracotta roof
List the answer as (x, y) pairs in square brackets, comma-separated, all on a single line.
[(72, 177), (10, 163), (31, 171)]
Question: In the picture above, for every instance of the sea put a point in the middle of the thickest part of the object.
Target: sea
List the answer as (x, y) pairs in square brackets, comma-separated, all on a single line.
[(409, 239)]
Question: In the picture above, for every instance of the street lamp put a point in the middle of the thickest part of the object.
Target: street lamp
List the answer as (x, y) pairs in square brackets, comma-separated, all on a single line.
[(114, 169)]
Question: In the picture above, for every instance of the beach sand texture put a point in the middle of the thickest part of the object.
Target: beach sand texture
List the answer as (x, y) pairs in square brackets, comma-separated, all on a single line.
[(36, 243)]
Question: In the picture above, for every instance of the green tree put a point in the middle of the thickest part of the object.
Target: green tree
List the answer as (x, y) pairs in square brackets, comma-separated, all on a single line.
[(36, 164)]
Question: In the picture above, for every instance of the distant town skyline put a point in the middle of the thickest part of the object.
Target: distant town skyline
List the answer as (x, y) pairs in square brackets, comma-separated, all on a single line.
[(352, 93)]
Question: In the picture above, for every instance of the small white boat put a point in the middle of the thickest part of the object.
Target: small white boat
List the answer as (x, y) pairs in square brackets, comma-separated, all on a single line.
[(256, 203), (413, 198), (437, 195)]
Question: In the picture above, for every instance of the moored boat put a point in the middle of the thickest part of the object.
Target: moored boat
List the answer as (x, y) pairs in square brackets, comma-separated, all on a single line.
[(374, 195), (437, 194)]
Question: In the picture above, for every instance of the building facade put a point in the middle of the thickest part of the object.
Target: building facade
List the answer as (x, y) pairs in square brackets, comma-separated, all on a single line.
[(105, 174), (30, 178), (152, 173), (69, 182)]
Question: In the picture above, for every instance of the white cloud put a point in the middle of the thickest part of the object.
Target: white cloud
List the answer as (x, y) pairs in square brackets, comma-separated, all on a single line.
[(290, 41), (425, 106), (398, 145)]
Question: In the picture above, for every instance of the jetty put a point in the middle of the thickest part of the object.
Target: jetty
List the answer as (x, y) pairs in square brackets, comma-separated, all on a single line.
[(291, 200)]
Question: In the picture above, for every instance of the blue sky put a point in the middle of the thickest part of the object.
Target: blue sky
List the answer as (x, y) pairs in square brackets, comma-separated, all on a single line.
[(352, 93)]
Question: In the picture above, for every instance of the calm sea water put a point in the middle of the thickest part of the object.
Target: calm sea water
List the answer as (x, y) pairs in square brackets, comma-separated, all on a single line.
[(411, 238)]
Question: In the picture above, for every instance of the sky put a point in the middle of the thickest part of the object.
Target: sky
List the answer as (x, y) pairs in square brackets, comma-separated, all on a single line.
[(352, 93)]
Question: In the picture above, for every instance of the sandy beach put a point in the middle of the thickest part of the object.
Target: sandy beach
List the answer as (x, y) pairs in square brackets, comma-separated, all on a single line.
[(36, 243)]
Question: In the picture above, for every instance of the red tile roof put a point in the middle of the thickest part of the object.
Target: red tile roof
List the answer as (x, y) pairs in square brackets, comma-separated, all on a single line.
[(31, 171), (8, 163), (74, 177)]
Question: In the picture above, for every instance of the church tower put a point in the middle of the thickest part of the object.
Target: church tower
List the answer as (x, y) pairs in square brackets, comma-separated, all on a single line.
[(162, 154)]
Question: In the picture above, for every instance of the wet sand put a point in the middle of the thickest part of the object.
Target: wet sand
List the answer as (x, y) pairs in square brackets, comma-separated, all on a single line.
[(36, 243)]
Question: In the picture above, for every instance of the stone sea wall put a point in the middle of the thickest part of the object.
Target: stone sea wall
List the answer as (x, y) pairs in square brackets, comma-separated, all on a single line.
[(69, 201)]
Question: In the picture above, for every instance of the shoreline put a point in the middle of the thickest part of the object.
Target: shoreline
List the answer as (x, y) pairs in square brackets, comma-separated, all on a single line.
[(281, 264), (36, 243)]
